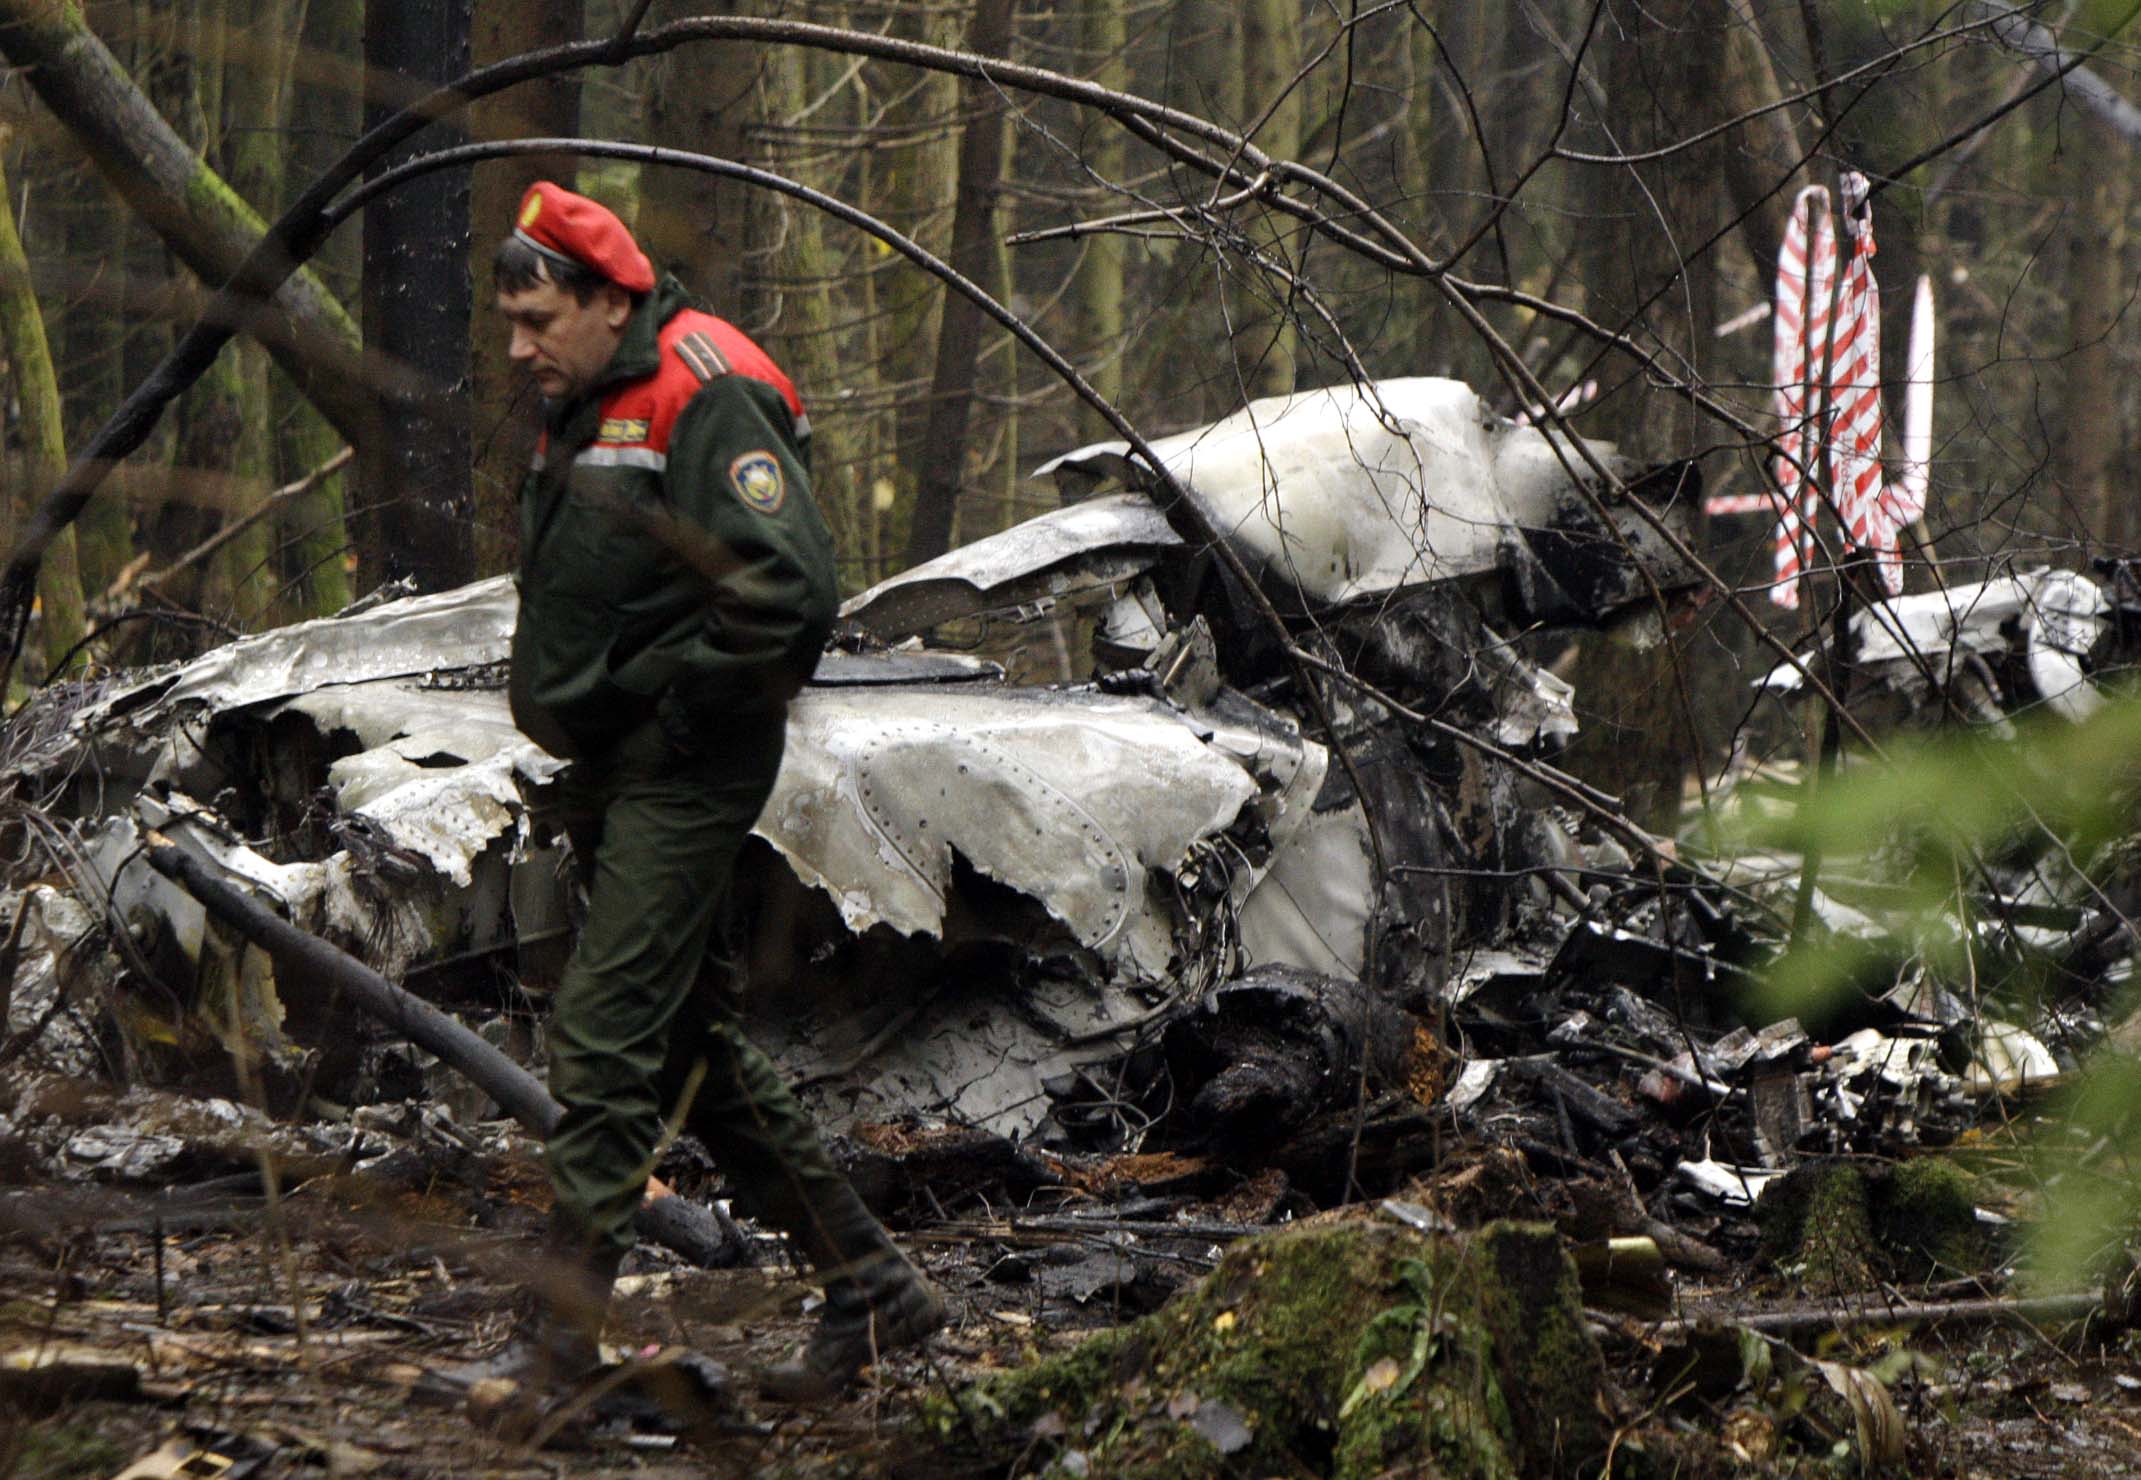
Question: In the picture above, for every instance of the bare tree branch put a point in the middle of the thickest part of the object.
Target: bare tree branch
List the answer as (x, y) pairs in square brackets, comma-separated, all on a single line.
[(2065, 64), (1181, 509), (194, 212), (2036, 41)]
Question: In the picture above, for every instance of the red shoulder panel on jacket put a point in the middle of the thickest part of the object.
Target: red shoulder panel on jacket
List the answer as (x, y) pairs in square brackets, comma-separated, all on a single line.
[(708, 347), (696, 348)]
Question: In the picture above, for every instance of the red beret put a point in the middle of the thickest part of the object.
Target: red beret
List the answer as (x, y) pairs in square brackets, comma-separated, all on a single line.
[(560, 224)]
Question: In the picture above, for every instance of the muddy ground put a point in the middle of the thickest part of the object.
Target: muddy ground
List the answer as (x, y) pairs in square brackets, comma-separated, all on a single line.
[(293, 1337)]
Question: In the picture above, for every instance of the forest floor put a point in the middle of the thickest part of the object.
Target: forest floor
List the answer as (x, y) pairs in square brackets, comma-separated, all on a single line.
[(203, 1362)]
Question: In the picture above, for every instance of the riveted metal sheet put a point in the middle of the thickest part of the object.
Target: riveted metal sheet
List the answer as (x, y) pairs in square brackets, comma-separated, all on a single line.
[(912, 769)]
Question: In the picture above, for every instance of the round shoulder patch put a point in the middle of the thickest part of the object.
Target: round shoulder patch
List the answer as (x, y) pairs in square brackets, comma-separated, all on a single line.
[(757, 479)]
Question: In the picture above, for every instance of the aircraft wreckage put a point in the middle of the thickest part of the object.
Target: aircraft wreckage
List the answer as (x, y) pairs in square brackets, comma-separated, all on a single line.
[(966, 886), (1099, 942)]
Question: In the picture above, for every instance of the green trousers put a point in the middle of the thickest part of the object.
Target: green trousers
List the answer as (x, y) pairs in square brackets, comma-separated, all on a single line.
[(642, 1017)]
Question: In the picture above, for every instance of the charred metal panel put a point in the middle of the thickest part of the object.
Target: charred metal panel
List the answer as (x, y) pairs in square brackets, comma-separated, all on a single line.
[(1437, 655), (1093, 545), (1982, 650), (1593, 564)]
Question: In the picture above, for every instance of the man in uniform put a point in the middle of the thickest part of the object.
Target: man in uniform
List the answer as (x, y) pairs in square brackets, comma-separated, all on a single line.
[(676, 589)]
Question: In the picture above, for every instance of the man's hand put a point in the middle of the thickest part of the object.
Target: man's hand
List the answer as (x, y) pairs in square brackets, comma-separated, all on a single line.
[(683, 737)]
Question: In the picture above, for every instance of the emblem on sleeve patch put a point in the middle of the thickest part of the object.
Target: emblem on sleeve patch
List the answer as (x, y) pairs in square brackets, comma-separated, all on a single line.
[(758, 482), (622, 429)]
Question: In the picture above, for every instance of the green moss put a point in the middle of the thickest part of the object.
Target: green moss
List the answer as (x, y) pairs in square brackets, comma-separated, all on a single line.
[(1836, 1246), (1349, 1349), (1534, 1308), (65, 1451), (1925, 1217), (1816, 1228), (1835, 1226), (1457, 1415), (1066, 1383), (210, 198)]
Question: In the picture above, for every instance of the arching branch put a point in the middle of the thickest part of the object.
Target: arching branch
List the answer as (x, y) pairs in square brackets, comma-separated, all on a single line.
[(467, 154), (299, 232), (1182, 511)]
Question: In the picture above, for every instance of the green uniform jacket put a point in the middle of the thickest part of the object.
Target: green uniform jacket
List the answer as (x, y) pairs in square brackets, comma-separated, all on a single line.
[(673, 563)]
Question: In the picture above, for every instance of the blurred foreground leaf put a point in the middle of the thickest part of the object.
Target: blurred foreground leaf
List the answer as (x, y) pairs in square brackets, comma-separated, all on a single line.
[(1948, 824)]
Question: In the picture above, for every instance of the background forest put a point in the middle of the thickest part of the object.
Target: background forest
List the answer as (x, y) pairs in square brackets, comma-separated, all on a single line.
[(1584, 178)]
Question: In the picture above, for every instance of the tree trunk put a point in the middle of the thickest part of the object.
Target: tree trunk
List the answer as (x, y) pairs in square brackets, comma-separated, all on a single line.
[(93, 332), (2098, 162), (1770, 152), (257, 59), (416, 310), (1265, 340), (44, 447), (155, 58), (869, 374), (920, 177), (1181, 364), (326, 112), (807, 338), (198, 217), (211, 415), (612, 110), (1462, 189), (693, 224), (996, 375), (1433, 160), (1097, 290), (1660, 65), (951, 393), (504, 400)]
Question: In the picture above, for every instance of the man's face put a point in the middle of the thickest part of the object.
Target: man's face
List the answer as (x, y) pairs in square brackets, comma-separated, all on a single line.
[(563, 342)]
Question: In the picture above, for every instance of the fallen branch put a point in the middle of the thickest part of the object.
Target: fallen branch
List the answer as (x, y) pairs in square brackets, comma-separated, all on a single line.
[(703, 1235), (1804, 1319), (132, 575)]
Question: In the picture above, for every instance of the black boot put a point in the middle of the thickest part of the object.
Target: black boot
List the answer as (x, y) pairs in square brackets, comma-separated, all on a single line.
[(875, 1302), (543, 1353), (554, 1343)]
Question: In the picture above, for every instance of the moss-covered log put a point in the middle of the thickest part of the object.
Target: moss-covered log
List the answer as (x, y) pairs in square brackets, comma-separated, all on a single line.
[(203, 222), (1836, 1226), (1346, 1349)]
